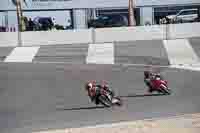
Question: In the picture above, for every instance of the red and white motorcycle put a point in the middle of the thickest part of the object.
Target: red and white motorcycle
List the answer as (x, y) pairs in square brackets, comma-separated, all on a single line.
[(106, 97), (160, 86), (156, 83)]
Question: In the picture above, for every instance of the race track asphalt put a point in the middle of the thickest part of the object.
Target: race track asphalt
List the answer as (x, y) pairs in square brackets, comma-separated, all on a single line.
[(4, 52), (195, 43), (148, 52), (69, 53), (41, 96), (130, 52)]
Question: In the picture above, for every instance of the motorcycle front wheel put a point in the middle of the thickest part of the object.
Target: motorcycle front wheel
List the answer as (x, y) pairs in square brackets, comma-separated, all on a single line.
[(117, 101), (105, 101), (165, 90)]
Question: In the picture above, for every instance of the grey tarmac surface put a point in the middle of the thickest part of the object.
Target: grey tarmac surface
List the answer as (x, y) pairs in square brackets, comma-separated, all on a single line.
[(141, 52), (195, 43), (132, 52), (41, 96), (68, 53), (4, 52)]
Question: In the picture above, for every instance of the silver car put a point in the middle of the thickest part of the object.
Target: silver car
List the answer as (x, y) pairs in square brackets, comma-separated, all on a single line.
[(185, 15)]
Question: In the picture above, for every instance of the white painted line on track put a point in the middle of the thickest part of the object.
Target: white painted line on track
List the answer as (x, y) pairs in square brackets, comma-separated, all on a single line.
[(186, 67), (125, 65), (180, 52), (22, 54), (100, 53)]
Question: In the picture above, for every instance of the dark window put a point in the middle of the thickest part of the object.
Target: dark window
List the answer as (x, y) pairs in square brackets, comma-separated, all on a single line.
[(119, 12)]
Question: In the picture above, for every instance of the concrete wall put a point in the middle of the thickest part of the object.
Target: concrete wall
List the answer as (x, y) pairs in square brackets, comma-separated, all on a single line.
[(146, 15), (129, 34), (156, 32), (80, 18), (184, 30), (8, 39), (57, 37)]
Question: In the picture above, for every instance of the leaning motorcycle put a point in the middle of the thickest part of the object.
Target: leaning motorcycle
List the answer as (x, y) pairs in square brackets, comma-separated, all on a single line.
[(161, 86), (108, 99)]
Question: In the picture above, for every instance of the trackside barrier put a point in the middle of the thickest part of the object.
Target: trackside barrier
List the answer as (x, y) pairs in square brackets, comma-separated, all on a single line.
[(186, 30), (101, 35), (56, 37), (8, 39), (130, 33)]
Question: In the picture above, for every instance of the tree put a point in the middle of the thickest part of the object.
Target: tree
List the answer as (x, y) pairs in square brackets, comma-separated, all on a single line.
[(131, 13)]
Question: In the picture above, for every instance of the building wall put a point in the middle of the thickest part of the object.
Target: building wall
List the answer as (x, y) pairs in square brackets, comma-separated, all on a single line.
[(12, 20), (3, 18), (146, 15), (4, 4), (165, 2), (69, 4), (80, 14), (80, 18)]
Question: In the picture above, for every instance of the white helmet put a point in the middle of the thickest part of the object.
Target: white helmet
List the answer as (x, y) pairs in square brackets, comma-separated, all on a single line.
[(90, 85)]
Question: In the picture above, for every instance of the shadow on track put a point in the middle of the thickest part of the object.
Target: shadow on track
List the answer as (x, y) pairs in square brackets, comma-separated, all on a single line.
[(141, 95), (82, 108), (103, 107)]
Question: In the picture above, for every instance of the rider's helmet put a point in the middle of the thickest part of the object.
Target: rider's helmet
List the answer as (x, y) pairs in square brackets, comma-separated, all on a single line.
[(158, 75), (152, 75), (146, 74), (88, 86)]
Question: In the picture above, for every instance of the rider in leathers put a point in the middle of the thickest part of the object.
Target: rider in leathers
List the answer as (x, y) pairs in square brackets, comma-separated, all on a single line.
[(94, 91), (148, 76)]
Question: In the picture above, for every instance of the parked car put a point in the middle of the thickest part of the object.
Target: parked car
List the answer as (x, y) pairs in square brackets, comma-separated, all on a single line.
[(198, 19), (2, 29), (112, 20), (43, 23), (185, 15)]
